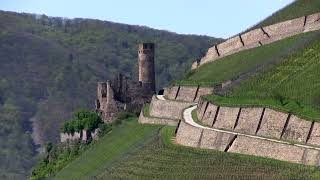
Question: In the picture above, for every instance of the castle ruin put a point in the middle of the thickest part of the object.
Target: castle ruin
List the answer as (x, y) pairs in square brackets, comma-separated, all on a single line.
[(124, 94)]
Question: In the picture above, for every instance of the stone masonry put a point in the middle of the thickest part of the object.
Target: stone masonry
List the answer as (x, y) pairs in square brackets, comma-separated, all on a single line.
[(124, 94)]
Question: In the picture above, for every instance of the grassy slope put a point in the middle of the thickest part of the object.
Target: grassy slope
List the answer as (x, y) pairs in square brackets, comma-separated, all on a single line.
[(247, 61), (160, 159), (297, 9), (108, 148), (292, 86)]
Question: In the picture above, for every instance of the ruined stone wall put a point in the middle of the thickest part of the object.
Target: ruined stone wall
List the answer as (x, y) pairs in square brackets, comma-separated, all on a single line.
[(167, 109), (154, 120), (260, 36), (84, 135), (120, 94)]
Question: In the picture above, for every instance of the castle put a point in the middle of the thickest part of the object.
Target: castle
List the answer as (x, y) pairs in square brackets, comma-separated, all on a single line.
[(124, 94)]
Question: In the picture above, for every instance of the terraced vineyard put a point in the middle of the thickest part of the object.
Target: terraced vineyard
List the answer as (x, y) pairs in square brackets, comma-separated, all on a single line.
[(249, 61), (160, 159), (292, 86)]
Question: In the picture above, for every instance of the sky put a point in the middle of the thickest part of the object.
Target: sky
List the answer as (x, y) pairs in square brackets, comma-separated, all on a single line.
[(217, 18)]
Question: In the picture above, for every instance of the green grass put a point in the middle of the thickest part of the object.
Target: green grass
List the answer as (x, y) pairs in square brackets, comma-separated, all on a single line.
[(110, 147), (146, 110), (297, 9), (160, 159), (195, 117), (246, 61)]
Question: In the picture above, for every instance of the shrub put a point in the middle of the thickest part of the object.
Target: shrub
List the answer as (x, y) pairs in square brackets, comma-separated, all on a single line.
[(83, 119)]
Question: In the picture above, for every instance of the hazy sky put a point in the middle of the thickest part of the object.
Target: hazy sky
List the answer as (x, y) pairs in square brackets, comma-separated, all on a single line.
[(218, 18)]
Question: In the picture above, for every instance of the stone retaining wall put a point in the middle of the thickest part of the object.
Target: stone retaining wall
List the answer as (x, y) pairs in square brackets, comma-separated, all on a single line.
[(167, 109), (215, 140), (297, 129), (188, 135), (153, 120), (197, 137), (186, 93), (258, 121), (226, 118), (261, 36), (249, 120), (269, 149), (272, 124)]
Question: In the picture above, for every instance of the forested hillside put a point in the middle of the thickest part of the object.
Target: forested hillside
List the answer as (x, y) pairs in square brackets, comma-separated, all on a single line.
[(50, 67)]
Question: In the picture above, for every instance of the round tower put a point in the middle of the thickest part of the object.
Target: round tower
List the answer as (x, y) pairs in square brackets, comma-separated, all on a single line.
[(146, 67)]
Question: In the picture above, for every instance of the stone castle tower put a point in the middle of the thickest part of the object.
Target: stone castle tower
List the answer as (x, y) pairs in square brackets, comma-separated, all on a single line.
[(146, 67), (124, 94)]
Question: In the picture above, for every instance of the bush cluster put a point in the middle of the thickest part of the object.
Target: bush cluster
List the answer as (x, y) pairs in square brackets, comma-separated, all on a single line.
[(83, 119)]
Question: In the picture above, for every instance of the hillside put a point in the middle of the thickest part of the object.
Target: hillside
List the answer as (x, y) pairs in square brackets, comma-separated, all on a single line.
[(282, 75), (50, 67), (297, 9), (155, 156)]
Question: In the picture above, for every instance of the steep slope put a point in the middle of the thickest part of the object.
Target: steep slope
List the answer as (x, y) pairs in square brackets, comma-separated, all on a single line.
[(155, 156), (50, 66), (291, 86), (294, 10), (289, 61)]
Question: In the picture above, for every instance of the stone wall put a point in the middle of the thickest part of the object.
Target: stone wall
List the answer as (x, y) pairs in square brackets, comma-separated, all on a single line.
[(230, 46), (84, 135), (167, 109), (227, 117), (249, 119), (64, 137), (314, 138), (260, 36), (186, 93), (297, 130), (159, 121), (265, 148), (259, 121), (188, 135), (197, 137), (272, 124), (215, 140)]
